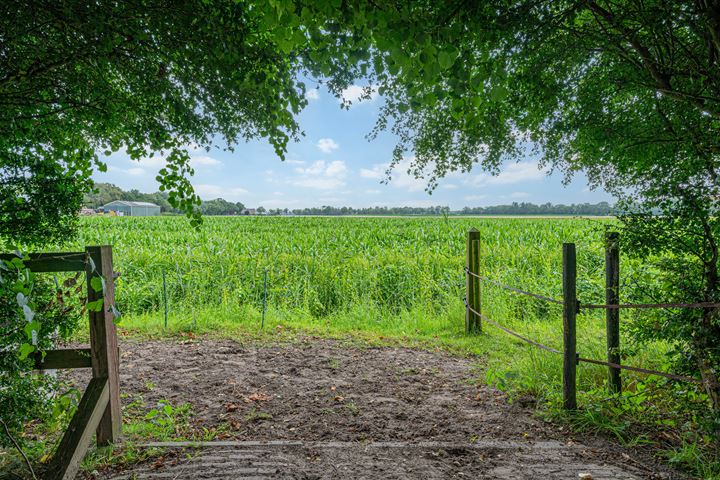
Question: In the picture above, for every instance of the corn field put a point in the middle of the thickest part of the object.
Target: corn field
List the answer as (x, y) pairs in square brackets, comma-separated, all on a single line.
[(324, 265), (394, 276)]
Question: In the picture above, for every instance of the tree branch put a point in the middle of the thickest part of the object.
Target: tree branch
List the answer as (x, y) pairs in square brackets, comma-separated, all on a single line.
[(14, 442)]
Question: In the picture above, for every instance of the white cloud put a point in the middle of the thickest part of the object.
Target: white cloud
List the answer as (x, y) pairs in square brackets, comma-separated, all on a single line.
[(321, 175), (204, 161), (449, 186), (471, 198), (336, 169), (376, 173), (519, 195), (417, 203), (198, 158), (399, 176), (513, 173), (133, 171), (136, 171), (312, 94), (327, 145), (372, 192), (157, 161), (295, 162), (277, 203), (353, 93), (216, 191)]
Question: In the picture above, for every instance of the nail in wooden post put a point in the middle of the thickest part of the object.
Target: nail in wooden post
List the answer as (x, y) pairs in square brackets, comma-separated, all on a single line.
[(569, 338), (612, 315), (103, 339), (472, 284)]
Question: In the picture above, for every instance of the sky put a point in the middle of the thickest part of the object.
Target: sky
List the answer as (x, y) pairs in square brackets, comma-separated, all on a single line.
[(334, 164)]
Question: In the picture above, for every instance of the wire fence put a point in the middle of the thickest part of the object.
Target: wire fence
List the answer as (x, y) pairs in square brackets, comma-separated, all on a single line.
[(574, 306)]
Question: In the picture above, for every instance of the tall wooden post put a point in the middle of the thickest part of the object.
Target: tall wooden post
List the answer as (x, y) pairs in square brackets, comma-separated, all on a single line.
[(612, 315), (473, 323), (103, 339), (570, 307)]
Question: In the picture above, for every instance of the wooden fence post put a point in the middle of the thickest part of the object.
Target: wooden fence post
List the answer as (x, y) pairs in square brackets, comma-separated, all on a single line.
[(472, 321), (612, 315), (570, 307), (103, 339)]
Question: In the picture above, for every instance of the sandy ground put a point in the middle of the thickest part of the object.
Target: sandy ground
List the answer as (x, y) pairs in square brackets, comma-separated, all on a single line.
[(323, 409)]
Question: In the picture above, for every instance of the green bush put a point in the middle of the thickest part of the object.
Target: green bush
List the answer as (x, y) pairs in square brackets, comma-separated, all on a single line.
[(35, 313)]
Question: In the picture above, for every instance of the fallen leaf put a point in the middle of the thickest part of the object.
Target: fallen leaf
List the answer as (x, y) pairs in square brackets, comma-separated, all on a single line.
[(159, 463), (257, 397), (231, 407)]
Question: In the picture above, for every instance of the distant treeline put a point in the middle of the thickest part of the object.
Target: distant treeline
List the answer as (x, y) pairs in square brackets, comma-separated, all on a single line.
[(524, 208), (107, 192)]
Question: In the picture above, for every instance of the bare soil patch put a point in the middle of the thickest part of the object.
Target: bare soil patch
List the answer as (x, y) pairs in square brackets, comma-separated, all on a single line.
[(344, 411)]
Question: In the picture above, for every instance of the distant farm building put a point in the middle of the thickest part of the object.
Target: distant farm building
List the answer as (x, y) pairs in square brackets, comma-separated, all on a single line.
[(132, 209), (249, 211)]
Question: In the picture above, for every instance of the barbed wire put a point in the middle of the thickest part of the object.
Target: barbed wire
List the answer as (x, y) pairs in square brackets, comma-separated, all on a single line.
[(512, 289), (671, 376), (510, 332), (591, 306)]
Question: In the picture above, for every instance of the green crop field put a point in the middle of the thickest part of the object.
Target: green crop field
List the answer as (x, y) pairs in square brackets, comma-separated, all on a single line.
[(383, 278)]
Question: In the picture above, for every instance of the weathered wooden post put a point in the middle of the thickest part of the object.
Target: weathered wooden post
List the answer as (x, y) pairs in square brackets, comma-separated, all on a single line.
[(473, 323), (612, 315), (165, 301), (103, 339), (570, 307)]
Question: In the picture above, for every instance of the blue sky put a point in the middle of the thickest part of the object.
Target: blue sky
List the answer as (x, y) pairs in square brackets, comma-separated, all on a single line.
[(335, 165)]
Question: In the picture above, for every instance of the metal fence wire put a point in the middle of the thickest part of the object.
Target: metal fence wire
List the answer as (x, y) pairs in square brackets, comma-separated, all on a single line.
[(579, 359)]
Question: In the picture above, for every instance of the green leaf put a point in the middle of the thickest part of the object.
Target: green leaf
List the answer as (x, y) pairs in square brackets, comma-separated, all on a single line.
[(96, 305), (498, 93), (30, 327), (97, 284), (25, 350)]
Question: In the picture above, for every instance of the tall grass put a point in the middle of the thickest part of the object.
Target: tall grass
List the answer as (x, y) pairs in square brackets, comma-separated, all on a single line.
[(324, 265)]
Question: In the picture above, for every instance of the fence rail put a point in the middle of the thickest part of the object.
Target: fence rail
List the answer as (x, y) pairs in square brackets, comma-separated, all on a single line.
[(98, 412), (572, 307)]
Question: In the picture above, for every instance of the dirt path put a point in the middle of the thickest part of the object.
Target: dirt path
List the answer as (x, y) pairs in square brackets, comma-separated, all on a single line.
[(322, 409)]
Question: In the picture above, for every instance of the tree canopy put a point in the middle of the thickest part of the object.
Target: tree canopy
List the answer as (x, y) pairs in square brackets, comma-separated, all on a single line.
[(627, 91)]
